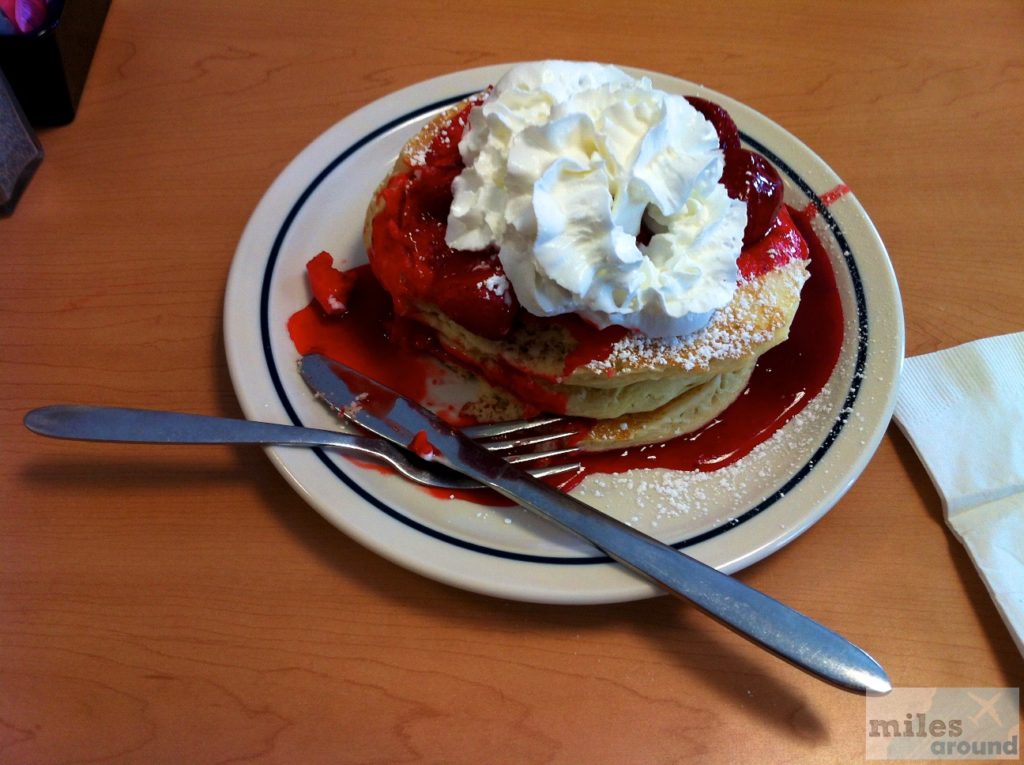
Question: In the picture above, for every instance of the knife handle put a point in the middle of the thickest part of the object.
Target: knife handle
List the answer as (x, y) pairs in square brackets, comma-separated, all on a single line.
[(151, 426), (121, 424), (758, 617)]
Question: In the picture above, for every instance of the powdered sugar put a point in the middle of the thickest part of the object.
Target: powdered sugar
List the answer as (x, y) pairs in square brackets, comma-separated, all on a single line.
[(731, 334), (440, 133), (680, 504), (357, 403), (417, 156), (496, 283)]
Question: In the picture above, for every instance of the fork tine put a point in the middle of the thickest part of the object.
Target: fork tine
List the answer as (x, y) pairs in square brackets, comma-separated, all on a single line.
[(505, 440), (508, 428), (413, 468), (520, 459), (520, 443), (550, 470)]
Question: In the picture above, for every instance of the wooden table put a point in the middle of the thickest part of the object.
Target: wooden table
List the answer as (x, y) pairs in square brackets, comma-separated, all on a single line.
[(167, 605)]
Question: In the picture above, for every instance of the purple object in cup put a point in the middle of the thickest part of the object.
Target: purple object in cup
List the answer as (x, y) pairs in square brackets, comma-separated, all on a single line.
[(22, 16)]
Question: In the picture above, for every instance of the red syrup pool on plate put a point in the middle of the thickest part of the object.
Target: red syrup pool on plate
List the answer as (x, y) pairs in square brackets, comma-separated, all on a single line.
[(396, 352)]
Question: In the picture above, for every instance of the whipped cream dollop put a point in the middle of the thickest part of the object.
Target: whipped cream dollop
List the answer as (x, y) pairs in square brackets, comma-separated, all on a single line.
[(564, 163)]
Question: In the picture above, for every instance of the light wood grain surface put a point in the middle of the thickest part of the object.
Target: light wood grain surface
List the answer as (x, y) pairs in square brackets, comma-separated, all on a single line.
[(167, 605)]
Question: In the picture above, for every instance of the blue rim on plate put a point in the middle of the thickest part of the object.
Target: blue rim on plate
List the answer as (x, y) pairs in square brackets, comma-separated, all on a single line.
[(299, 209), (337, 164)]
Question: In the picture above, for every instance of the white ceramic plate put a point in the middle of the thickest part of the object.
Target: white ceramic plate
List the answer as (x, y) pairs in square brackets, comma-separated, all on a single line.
[(728, 521)]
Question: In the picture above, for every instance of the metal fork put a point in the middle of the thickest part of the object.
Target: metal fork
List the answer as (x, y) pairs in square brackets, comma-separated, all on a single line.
[(103, 423)]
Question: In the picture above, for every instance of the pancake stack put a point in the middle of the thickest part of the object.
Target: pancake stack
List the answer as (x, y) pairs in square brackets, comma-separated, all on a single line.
[(634, 389)]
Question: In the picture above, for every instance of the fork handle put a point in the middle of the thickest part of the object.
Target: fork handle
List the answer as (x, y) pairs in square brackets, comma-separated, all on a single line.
[(109, 423)]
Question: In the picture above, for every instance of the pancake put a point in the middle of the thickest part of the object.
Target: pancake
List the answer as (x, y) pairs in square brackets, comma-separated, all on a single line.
[(636, 389)]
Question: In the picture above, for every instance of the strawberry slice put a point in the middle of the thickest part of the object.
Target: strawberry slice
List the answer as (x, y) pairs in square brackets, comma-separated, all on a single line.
[(421, 445), (331, 287), (728, 133), (751, 177), (747, 175), (474, 291)]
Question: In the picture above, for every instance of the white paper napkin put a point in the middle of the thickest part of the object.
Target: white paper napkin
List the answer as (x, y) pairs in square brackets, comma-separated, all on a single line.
[(963, 410)]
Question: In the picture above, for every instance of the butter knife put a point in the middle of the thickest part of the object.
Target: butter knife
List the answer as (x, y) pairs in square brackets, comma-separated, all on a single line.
[(761, 619)]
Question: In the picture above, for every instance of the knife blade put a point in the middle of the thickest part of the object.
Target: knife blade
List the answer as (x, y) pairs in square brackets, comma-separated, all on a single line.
[(763, 620)]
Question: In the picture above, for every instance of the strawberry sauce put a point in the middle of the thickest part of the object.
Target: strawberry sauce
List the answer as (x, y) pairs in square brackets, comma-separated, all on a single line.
[(411, 260), (408, 253), (396, 352)]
